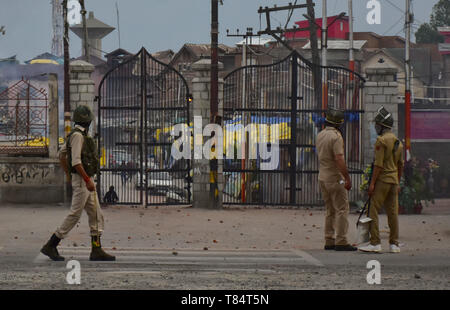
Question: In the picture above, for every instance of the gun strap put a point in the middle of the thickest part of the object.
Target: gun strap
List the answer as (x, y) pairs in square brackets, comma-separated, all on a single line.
[(367, 204)]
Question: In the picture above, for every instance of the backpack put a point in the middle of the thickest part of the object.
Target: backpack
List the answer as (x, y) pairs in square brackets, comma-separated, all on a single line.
[(89, 155)]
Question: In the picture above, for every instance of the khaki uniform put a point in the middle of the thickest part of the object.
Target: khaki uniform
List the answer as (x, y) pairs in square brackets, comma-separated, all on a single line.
[(385, 193), (82, 198), (329, 144)]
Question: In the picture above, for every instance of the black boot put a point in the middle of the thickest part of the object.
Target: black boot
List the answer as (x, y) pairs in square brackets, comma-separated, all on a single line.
[(347, 247), (97, 253), (50, 250)]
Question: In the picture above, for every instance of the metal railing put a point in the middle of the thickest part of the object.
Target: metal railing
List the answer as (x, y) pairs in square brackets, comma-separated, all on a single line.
[(23, 120), (287, 95)]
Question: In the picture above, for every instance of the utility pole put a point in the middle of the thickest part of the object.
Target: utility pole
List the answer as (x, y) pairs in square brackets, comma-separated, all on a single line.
[(214, 95), (324, 33), (245, 184), (118, 21), (66, 72), (86, 43), (324, 55), (317, 72), (214, 58), (350, 21), (408, 21), (67, 129), (278, 32)]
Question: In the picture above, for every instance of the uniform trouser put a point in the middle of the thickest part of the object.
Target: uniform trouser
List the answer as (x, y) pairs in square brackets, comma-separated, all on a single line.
[(82, 198), (337, 209), (386, 195)]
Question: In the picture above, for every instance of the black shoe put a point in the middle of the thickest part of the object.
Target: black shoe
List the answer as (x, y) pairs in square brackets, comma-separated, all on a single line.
[(347, 247), (50, 250), (329, 247)]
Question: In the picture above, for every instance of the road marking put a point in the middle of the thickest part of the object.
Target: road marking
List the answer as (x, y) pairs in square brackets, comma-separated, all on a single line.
[(309, 258), (219, 258)]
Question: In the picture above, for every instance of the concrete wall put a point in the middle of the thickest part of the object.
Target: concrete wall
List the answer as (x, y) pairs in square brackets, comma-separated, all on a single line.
[(416, 84), (203, 195), (35, 179), (39, 179), (31, 180)]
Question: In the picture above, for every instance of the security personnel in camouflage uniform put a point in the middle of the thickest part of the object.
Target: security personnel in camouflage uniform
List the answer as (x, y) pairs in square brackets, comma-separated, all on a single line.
[(83, 164), (384, 185), (334, 181)]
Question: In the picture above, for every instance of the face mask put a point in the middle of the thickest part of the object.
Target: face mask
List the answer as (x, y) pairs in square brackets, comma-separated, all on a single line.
[(379, 129)]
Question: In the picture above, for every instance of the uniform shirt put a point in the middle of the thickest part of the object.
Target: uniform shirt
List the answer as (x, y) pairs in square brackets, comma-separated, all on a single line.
[(329, 144), (76, 143), (386, 159)]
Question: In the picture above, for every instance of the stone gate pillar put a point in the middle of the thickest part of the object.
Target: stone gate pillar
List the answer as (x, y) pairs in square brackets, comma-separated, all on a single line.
[(82, 88), (204, 195), (381, 89)]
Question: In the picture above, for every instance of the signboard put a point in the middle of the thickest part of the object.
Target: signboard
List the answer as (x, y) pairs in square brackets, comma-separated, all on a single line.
[(430, 125)]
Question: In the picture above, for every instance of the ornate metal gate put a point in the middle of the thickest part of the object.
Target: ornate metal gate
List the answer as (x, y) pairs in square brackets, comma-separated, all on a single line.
[(139, 101), (286, 97)]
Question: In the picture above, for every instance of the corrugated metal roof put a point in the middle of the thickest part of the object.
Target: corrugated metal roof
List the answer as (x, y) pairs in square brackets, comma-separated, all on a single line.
[(205, 49), (339, 44), (256, 41)]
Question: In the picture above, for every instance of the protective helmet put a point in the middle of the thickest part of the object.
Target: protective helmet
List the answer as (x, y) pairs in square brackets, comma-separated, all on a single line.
[(335, 116), (82, 114), (384, 118)]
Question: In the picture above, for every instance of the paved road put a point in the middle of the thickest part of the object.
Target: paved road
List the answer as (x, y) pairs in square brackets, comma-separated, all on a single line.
[(229, 249), (140, 268)]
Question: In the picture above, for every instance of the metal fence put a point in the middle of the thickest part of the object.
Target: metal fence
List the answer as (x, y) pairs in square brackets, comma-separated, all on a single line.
[(285, 101), (139, 102), (23, 120)]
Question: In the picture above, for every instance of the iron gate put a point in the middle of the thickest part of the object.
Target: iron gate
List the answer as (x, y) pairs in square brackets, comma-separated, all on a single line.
[(286, 96), (139, 102)]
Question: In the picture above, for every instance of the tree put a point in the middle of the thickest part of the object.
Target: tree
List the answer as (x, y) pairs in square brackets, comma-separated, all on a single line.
[(441, 14), (427, 33)]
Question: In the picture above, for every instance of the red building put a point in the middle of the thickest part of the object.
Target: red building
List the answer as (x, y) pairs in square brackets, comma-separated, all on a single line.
[(338, 30)]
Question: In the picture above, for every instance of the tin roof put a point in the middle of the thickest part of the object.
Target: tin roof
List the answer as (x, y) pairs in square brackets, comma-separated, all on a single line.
[(339, 44)]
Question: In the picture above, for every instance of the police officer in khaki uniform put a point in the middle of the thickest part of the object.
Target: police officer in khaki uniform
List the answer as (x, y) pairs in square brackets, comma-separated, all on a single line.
[(334, 182), (384, 185), (81, 165)]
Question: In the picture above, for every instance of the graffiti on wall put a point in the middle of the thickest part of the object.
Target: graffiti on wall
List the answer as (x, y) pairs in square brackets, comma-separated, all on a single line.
[(25, 173)]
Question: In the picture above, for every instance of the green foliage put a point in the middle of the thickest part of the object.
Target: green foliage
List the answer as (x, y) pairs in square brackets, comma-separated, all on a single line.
[(441, 14), (407, 197), (364, 187), (416, 191), (427, 32)]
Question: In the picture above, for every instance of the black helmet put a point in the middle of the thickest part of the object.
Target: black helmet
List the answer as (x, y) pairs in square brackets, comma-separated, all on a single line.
[(335, 116), (83, 114), (384, 118)]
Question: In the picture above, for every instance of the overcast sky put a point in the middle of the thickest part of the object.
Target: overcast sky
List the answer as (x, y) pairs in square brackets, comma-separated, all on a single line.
[(168, 24)]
